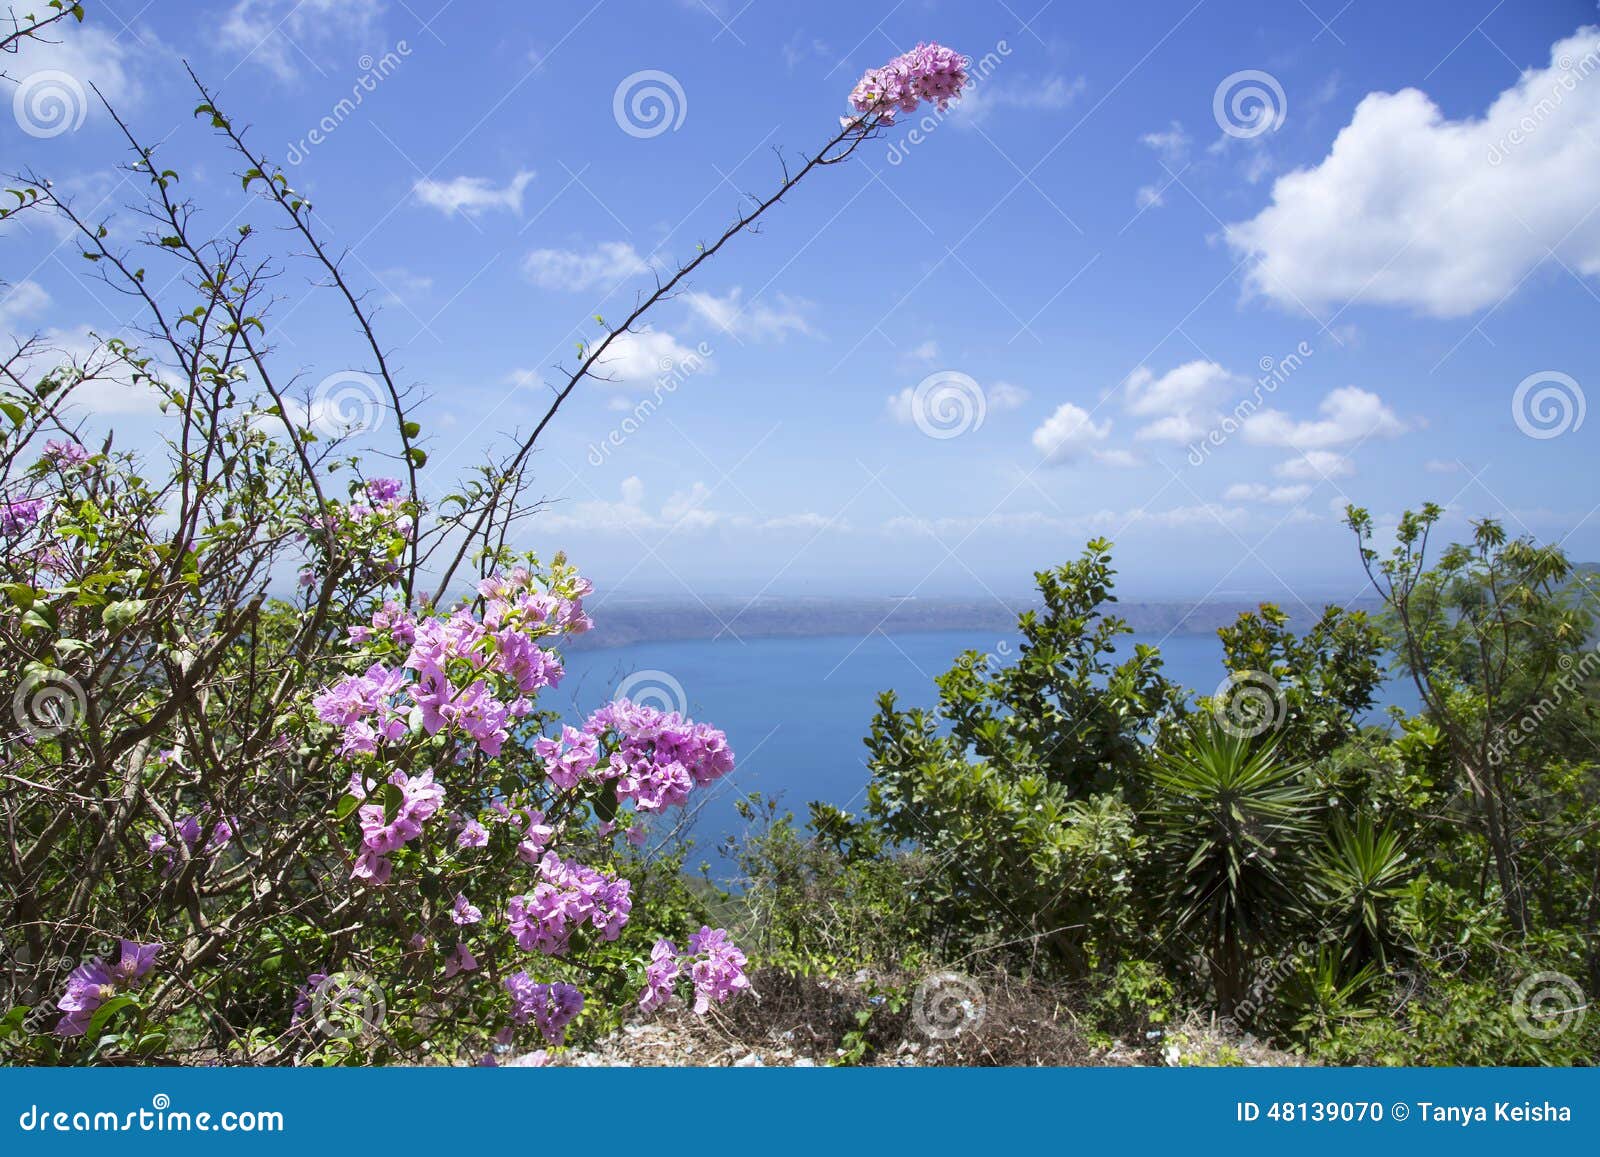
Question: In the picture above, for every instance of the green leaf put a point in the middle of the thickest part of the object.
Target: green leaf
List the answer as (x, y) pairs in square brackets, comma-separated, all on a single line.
[(346, 804), (121, 613), (106, 1011)]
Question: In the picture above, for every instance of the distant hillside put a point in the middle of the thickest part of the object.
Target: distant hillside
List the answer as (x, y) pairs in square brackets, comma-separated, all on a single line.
[(622, 622)]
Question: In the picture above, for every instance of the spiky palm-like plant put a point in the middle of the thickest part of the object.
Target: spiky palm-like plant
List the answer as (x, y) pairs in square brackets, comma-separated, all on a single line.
[(1231, 821), (1357, 877)]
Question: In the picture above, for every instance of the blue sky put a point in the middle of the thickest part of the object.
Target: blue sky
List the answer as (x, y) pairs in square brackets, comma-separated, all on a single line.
[(1099, 249)]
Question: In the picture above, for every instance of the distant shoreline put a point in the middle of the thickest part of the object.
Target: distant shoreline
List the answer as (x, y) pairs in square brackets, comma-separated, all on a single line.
[(627, 623)]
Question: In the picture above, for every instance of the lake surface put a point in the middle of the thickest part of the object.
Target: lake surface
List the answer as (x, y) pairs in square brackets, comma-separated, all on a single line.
[(796, 710)]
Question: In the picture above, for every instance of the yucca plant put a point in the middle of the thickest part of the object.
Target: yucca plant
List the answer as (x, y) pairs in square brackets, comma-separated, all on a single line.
[(1231, 819), (1357, 878)]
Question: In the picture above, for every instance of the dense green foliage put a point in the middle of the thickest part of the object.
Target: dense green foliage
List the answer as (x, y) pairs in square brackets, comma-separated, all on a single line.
[(1419, 888)]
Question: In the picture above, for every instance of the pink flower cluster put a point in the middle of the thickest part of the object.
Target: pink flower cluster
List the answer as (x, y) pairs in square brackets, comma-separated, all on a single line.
[(659, 757), (190, 830), (64, 455), (713, 963), (420, 799), (19, 515), (567, 896), (929, 72), (552, 1006), (93, 983), (474, 676)]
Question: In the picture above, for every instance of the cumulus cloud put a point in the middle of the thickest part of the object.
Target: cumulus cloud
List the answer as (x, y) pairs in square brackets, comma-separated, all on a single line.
[(472, 196), (1411, 208), (639, 357), (1181, 403), (1070, 435), (1316, 465), (1348, 414), (606, 264), (277, 34), (756, 320)]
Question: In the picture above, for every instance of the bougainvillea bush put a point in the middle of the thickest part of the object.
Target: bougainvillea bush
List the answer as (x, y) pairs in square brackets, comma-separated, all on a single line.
[(279, 780)]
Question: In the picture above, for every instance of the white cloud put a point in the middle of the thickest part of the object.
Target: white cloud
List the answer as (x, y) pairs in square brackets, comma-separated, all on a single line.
[(925, 354), (1069, 435), (20, 302), (1316, 465), (1181, 403), (1441, 466), (108, 389), (1171, 146), (89, 54), (756, 319), (1050, 94), (1149, 197), (608, 264), (1348, 414), (1256, 492), (276, 34), (1004, 396), (472, 196), (640, 357), (1446, 217)]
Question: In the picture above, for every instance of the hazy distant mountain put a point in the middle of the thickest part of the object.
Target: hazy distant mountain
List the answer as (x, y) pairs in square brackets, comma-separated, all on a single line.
[(620, 622)]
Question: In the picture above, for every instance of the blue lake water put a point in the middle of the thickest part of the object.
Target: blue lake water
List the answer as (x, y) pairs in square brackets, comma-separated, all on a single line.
[(796, 710)]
